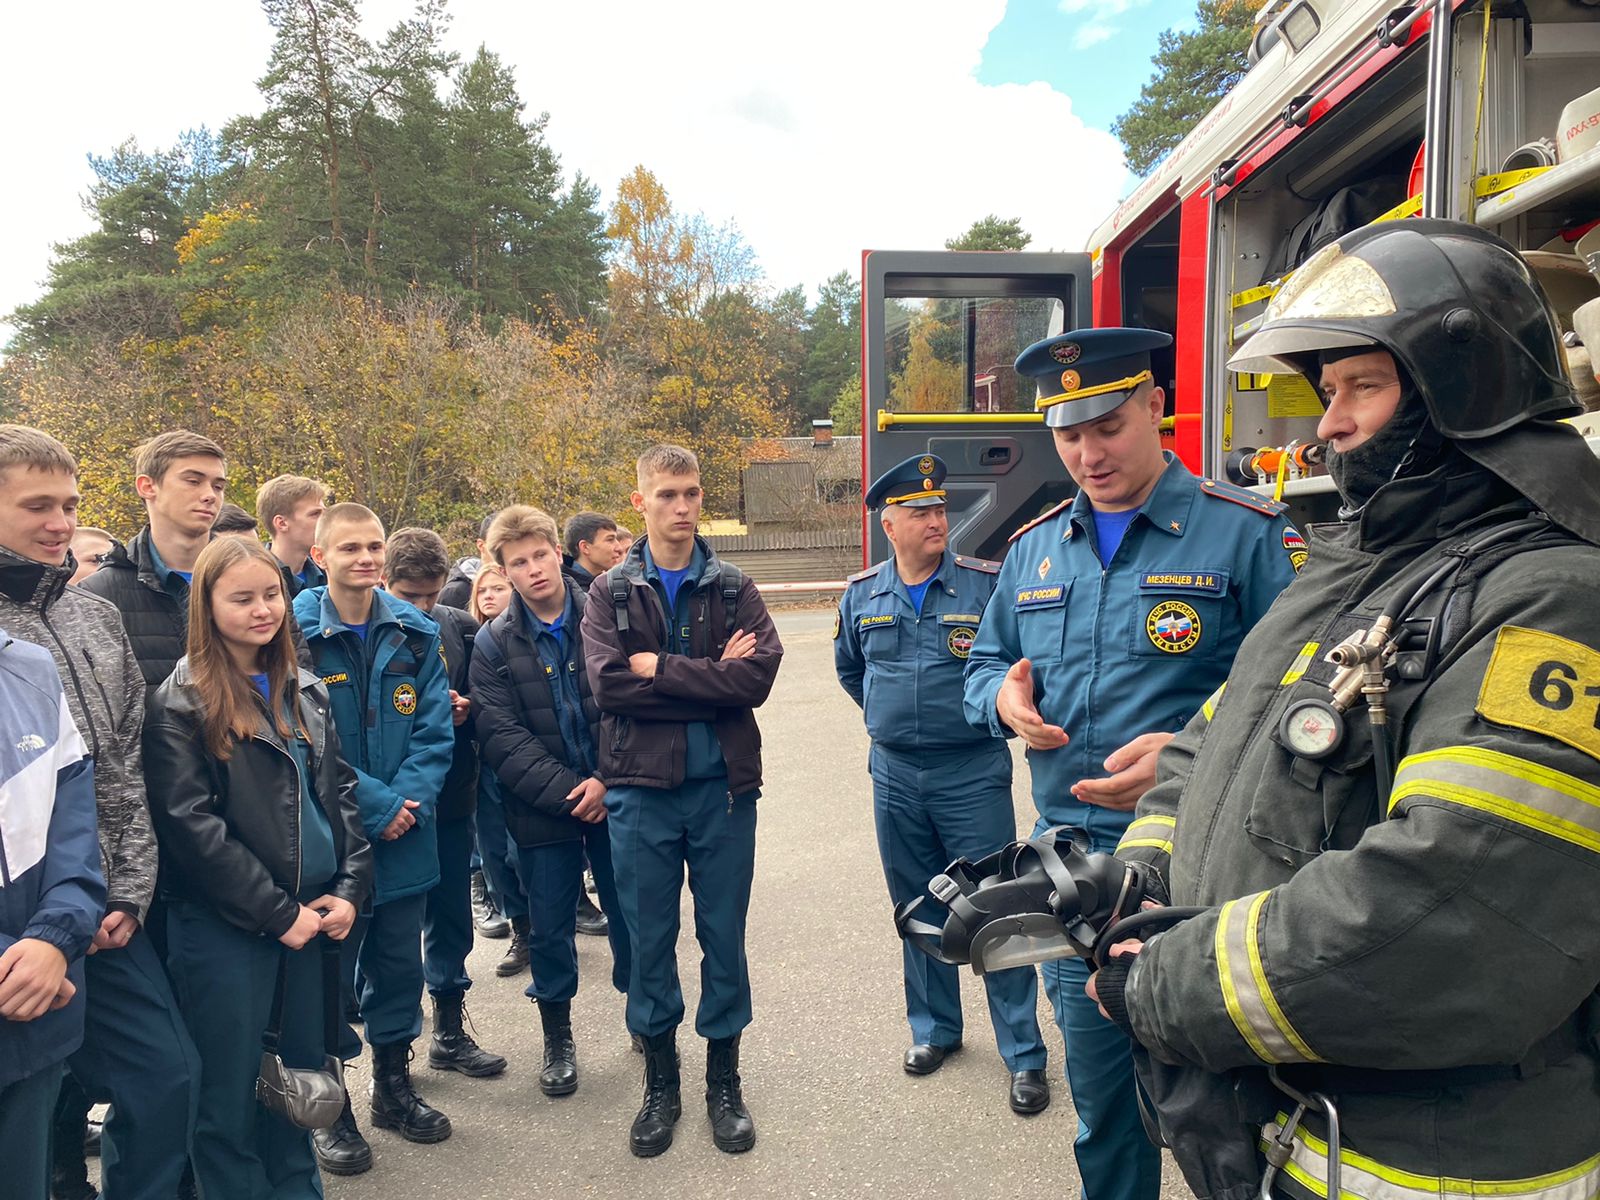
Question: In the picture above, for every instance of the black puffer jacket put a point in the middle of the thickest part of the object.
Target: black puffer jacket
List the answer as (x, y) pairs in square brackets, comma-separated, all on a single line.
[(458, 798), (230, 831), (157, 622), (519, 731)]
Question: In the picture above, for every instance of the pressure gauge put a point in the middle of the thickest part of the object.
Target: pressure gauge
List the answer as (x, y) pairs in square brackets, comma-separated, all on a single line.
[(1312, 728)]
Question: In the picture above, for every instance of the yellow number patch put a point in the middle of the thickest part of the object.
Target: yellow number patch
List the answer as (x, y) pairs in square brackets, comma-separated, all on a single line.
[(1544, 684)]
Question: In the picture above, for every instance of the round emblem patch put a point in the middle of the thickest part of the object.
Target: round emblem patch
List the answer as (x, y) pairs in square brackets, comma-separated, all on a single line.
[(925, 465), (405, 699), (1066, 353), (961, 639), (1070, 382), (1173, 627)]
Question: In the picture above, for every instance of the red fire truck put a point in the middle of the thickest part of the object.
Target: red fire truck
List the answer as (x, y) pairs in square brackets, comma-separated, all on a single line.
[(1352, 111)]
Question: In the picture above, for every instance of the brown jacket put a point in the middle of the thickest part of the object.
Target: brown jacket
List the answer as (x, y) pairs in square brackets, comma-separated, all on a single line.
[(644, 722)]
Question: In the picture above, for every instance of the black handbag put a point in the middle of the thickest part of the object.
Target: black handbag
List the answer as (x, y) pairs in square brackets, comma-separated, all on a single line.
[(306, 1097)]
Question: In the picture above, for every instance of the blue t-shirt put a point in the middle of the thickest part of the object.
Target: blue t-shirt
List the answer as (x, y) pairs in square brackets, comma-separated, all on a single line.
[(1109, 528), (671, 581), (918, 590), (359, 630), (317, 859), (186, 576)]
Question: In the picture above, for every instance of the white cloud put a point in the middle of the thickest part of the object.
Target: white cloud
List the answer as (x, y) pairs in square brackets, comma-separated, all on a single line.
[(1092, 34), (822, 129)]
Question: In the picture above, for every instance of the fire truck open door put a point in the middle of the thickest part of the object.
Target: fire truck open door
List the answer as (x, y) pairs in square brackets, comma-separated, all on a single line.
[(939, 334)]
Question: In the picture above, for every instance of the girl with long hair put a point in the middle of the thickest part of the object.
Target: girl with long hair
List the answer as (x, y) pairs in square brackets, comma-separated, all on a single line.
[(491, 592), (262, 854)]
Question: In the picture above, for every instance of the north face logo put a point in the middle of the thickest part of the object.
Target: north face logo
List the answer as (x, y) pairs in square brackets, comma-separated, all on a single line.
[(32, 742)]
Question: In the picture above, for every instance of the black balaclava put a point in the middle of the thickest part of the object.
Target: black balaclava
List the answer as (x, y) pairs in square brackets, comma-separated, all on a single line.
[(1407, 445)]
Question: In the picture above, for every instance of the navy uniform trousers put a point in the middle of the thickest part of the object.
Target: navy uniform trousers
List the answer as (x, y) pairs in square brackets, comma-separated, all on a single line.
[(555, 878), (655, 834), (138, 1057), (501, 872), (380, 955), (25, 1115), (225, 979), (447, 912), (931, 809)]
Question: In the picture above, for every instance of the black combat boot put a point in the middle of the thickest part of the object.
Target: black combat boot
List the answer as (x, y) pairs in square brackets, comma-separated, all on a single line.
[(516, 960), (69, 1173), (485, 917), (453, 1048), (341, 1150), (590, 919), (396, 1105), (731, 1127), (652, 1128), (560, 1074)]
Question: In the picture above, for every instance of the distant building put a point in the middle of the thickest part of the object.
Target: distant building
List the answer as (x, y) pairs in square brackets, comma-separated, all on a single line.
[(807, 481)]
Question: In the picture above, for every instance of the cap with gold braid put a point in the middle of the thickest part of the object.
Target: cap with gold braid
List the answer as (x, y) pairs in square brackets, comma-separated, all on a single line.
[(916, 483), (1085, 374)]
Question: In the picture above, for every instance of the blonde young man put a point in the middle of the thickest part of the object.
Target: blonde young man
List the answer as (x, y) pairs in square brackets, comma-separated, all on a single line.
[(289, 507), (681, 756), (386, 679)]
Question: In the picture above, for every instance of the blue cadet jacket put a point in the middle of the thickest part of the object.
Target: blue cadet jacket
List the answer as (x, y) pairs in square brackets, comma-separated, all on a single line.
[(904, 668), (1134, 647), (51, 887), (391, 703)]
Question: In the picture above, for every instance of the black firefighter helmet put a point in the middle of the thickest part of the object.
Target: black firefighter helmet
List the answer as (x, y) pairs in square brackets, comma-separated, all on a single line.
[(1458, 308)]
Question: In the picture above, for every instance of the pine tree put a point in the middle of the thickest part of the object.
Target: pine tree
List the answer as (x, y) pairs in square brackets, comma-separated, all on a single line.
[(1194, 69)]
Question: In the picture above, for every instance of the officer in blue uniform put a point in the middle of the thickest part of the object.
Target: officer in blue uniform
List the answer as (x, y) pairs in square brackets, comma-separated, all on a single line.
[(941, 789), (1116, 615)]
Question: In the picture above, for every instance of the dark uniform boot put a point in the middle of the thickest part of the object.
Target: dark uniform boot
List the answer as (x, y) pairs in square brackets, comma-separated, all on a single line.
[(516, 960), (341, 1150), (731, 1127), (560, 1074), (652, 1128), (485, 917), (69, 1173), (453, 1048), (396, 1105), (590, 919)]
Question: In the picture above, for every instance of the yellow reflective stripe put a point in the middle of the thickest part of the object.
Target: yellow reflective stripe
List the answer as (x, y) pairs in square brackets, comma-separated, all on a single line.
[(1297, 668), (1274, 1009), (1146, 832), (1506, 786), (1209, 708), (1363, 1178), (1251, 1005), (1230, 993)]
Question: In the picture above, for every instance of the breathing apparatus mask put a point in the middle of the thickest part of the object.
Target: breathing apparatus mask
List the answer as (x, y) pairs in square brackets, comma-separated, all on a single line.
[(1033, 901)]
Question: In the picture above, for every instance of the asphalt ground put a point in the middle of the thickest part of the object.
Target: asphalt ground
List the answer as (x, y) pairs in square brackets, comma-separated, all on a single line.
[(836, 1116)]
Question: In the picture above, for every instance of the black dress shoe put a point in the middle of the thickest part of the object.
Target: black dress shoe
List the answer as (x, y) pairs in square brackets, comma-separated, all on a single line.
[(1030, 1092), (590, 919), (925, 1059)]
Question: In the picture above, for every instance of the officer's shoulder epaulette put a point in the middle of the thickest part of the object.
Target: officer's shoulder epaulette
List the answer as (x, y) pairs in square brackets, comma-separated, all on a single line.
[(978, 564), (1042, 518), (1254, 501), (867, 574)]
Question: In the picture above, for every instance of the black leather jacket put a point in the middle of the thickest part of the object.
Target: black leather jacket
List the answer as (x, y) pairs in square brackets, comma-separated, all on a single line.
[(230, 831)]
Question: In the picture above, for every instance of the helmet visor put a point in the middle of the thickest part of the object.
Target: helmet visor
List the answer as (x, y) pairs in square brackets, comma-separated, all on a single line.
[(1280, 349)]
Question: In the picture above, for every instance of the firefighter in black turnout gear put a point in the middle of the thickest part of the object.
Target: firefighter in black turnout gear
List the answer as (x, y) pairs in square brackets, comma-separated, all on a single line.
[(1392, 987)]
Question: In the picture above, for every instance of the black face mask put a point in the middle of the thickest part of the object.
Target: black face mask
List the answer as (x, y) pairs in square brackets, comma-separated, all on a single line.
[(1399, 448)]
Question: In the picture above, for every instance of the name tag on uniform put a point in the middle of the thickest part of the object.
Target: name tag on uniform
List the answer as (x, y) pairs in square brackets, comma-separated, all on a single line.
[(341, 677), (1184, 581), (877, 621), (960, 618), (1050, 596)]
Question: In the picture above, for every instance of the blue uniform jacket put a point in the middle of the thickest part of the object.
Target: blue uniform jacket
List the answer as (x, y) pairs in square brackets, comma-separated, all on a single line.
[(51, 887), (1134, 647), (391, 702), (904, 669)]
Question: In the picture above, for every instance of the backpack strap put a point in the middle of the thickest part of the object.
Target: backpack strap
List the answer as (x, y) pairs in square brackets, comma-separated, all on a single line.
[(732, 582), (617, 584)]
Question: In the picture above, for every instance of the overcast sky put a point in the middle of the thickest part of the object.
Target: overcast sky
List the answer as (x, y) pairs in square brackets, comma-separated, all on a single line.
[(822, 128)]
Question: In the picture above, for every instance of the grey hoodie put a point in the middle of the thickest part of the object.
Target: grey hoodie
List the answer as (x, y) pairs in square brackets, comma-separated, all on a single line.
[(105, 692)]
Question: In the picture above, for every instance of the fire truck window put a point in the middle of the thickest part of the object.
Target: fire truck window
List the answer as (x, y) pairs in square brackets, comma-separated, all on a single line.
[(954, 355)]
